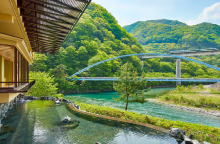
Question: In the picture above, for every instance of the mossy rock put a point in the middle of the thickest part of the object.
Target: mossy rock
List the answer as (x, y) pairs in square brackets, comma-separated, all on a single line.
[(4, 136), (70, 125)]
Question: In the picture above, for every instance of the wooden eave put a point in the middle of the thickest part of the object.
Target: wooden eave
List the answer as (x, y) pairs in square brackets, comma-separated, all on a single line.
[(49, 22)]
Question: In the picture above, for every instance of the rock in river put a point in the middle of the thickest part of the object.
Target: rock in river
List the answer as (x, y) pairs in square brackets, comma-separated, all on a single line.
[(66, 119), (57, 102), (177, 133)]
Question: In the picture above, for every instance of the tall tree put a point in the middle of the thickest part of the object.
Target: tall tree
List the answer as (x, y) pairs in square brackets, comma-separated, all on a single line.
[(61, 78), (128, 85), (44, 85)]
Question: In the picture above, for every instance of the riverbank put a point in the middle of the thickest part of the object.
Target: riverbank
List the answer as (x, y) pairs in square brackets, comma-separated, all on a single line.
[(201, 132), (112, 90), (199, 110), (198, 99), (148, 108)]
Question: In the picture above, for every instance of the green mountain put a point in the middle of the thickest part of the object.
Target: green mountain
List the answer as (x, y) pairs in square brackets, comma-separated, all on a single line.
[(96, 37), (132, 28), (167, 35), (212, 29)]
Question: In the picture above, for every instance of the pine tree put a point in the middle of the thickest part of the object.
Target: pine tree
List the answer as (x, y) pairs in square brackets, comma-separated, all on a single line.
[(130, 85)]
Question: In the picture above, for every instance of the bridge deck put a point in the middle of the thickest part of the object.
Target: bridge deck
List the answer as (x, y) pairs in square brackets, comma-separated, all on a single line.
[(181, 54), (151, 79)]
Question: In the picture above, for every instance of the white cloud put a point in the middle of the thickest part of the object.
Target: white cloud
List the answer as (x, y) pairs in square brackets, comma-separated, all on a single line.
[(209, 14)]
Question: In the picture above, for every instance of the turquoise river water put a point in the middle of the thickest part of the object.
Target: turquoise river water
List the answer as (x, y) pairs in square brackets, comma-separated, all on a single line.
[(153, 109)]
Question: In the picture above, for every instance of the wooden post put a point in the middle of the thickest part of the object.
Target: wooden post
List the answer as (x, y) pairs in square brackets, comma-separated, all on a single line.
[(27, 71), (18, 54), (0, 71), (15, 66)]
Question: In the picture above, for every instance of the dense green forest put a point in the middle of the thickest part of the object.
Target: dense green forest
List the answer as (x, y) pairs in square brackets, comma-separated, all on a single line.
[(97, 37), (163, 36)]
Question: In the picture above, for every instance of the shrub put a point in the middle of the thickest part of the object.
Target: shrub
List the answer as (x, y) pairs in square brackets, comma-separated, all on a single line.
[(182, 99), (180, 88), (200, 86), (218, 106), (198, 104), (190, 101), (203, 101), (189, 86), (167, 97), (176, 100)]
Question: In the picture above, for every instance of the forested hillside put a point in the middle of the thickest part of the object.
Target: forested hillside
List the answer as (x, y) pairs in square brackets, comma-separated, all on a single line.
[(163, 36), (166, 35), (97, 37)]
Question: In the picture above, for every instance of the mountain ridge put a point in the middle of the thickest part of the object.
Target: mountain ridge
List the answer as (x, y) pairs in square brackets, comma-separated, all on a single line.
[(168, 32)]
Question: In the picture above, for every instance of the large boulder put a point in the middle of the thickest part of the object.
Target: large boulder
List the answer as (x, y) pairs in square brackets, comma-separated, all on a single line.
[(77, 107), (66, 119), (187, 140), (4, 136), (177, 133), (57, 102)]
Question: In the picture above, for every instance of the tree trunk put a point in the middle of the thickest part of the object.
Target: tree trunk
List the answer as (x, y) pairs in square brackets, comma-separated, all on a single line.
[(127, 102)]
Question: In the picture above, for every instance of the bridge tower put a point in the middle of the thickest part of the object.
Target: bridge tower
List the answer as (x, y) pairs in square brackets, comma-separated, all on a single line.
[(178, 70)]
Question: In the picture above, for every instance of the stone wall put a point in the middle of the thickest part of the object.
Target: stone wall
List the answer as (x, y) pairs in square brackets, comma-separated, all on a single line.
[(4, 107)]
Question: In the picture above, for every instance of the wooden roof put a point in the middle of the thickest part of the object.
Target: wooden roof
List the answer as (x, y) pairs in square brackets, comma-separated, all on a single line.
[(49, 22), (6, 52)]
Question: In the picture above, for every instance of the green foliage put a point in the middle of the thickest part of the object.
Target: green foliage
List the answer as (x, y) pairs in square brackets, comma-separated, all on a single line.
[(200, 132), (163, 36), (180, 88), (167, 35), (44, 85), (200, 86), (200, 103), (189, 87), (39, 63), (97, 37), (61, 78), (128, 85)]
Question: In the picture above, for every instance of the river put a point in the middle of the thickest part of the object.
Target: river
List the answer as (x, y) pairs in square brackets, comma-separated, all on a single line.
[(153, 109)]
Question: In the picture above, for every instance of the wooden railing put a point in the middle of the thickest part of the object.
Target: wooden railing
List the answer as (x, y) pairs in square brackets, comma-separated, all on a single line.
[(16, 87)]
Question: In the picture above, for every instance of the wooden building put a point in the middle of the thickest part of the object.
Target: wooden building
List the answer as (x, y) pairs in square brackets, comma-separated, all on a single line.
[(28, 26)]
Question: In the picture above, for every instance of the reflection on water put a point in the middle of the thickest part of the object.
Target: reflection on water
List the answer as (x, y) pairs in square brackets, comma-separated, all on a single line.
[(39, 122), (154, 109)]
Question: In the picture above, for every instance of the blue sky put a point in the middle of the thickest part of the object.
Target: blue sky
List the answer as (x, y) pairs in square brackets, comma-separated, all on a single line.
[(190, 12)]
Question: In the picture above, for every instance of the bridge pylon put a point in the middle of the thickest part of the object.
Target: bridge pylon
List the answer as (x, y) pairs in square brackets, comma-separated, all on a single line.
[(178, 70)]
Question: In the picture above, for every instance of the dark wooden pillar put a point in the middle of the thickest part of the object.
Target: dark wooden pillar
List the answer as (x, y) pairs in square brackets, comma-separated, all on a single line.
[(27, 71), (24, 70), (21, 69), (18, 66), (15, 66)]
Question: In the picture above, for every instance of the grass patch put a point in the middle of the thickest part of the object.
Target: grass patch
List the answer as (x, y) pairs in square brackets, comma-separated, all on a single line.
[(154, 93), (201, 132), (195, 96), (213, 91)]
